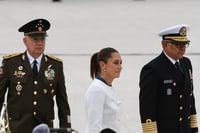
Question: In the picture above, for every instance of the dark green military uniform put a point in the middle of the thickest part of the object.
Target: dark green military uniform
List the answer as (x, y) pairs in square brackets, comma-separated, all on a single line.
[(30, 100)]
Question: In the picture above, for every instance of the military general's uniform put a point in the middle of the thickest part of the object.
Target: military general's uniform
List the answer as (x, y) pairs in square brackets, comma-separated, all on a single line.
[(30, 100), (167, 103)]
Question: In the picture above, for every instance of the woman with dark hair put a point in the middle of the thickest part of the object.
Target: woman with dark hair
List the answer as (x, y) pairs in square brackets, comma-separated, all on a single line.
[(102, 103)]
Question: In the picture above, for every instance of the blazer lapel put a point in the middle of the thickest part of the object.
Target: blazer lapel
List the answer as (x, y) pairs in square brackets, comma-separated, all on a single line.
[(171, 69), (44, 65), (186, 74), (26, 64)]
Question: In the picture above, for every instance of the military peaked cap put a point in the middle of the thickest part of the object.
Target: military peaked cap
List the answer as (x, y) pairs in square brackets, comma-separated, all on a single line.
[(176, 33), (36, 28)]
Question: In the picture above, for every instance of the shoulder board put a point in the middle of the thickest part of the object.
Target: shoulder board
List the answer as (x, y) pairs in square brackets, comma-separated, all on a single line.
[(55, 58), (11, 55)]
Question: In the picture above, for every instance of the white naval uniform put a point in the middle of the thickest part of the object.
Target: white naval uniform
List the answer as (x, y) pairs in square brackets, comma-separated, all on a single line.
[(102, 107)]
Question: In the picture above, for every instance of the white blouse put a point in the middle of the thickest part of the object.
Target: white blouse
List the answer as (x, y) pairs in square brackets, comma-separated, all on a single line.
[(102, 107)]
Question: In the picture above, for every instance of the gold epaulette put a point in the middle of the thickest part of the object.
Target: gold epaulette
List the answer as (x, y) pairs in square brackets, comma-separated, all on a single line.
[(193, 121), (55, 58), (11, 55), (149, 126)]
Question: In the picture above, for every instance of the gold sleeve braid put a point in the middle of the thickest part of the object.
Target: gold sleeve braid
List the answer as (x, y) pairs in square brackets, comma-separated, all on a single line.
[(193, 121), (149, 126)]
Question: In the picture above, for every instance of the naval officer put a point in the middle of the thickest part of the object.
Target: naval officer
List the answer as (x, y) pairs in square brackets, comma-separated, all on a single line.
[(32, 80), (166, 99)]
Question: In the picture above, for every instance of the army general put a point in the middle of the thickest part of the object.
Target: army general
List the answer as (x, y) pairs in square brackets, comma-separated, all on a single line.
[(166, 99), (32, 80)]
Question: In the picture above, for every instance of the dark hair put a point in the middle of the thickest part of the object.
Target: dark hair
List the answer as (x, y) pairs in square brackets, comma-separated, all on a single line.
[(107, 130), (102, 55)]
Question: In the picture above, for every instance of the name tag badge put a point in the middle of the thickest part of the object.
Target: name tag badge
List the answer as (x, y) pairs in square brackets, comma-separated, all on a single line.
[(169, 91), (168, 81)]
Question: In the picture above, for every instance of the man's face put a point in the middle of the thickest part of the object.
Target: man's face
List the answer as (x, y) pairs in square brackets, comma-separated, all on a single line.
[(174, 49), (35, 46)]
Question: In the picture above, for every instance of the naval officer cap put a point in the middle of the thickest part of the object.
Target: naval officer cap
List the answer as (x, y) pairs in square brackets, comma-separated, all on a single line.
[(177, 33), (36, 28)]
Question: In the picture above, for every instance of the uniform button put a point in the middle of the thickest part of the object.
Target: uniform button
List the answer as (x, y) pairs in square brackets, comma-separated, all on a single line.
[(180, 119), (190, 106), (35, 92), (35, 82), (181, 107), (34, 103), (191, 94), (181, 96), (188, 117), (34, 113)]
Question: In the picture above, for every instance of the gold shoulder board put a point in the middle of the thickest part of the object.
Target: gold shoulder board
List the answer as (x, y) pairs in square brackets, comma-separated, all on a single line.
[(55, 58), (11, 55)]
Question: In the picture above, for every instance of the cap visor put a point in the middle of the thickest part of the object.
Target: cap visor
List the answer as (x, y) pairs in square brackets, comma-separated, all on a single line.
[(38, 35)]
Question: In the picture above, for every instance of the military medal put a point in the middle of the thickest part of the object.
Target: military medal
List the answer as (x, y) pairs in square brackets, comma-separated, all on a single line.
[(19, 72), (18, 88), (49, 73), (20, 68)]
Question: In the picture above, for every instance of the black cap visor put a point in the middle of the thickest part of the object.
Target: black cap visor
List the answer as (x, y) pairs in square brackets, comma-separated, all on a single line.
[(37, 35)]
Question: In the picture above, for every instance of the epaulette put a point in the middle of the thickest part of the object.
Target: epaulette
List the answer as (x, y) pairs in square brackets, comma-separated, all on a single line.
[(55, 58), (11, 55)]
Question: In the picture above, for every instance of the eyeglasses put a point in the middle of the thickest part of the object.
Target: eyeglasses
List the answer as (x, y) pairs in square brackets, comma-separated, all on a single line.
[(179, 44)]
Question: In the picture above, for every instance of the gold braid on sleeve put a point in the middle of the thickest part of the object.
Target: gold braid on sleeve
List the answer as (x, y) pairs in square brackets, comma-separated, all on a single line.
[(193, 121), (149, 126)]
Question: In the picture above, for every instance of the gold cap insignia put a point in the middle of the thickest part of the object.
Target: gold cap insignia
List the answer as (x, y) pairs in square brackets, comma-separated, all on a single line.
[(39, 28), (183, 31)]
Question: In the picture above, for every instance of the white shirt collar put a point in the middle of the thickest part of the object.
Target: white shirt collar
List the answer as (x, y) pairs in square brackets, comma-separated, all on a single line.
[(172, 60), (31, 59)]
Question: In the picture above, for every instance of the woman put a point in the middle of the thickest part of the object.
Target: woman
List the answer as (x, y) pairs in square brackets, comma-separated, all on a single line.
[(102, 104)]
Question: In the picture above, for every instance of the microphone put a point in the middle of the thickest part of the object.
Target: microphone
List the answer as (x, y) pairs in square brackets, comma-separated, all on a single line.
[(62, 130), (41, 128)]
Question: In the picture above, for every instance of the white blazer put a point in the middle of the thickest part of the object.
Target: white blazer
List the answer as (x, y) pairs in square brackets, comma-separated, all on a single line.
[(102, 107)]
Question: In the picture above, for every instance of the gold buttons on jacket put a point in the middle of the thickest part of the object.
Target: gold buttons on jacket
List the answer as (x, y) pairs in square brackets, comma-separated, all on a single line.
[(35, 92), (34, 102), (181, 96), (181, 107), (35, 82), (34, 113), (180, 119)]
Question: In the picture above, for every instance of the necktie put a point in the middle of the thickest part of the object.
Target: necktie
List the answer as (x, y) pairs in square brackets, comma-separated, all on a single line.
[(34, 69), (178, 67)]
